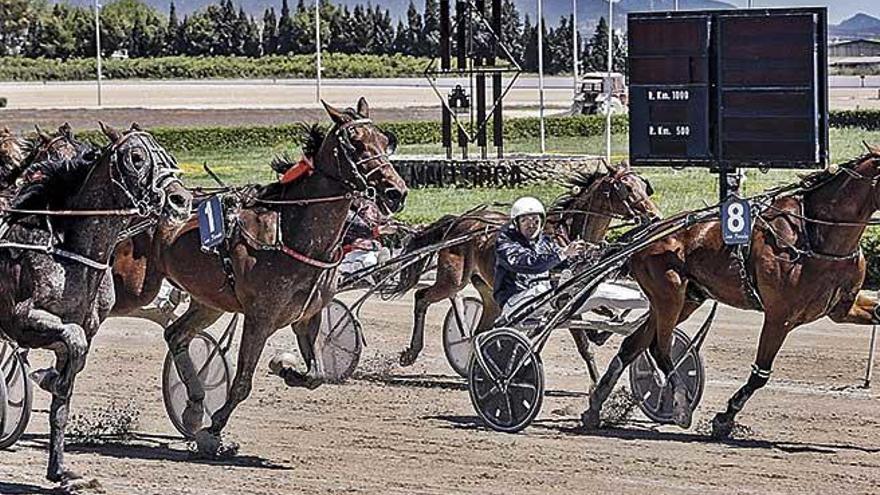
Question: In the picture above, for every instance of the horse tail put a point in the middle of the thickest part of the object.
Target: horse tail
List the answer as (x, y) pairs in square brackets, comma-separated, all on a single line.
[(432, 234)]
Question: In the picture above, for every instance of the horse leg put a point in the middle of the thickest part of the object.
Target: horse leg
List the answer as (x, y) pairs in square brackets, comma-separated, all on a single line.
[(306, 335), (862, 311), (178, 336), (583, 346), (629, 350), (491, 310), (450, 281), (253, 340), (772, 336), (71, 347)]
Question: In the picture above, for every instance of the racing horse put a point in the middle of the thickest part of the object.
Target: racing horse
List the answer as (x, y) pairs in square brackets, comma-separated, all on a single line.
[(283, 281), (11, 155), (803, 262), (54, 285), (585, 213)]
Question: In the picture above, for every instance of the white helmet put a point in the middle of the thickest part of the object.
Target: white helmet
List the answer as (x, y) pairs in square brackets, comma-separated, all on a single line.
[(527, 205)]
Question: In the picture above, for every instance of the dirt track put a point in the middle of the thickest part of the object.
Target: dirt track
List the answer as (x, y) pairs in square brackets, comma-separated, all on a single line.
[(413, 430)]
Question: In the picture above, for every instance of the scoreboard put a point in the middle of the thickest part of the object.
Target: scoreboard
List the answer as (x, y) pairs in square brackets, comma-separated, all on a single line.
[(727, 89)]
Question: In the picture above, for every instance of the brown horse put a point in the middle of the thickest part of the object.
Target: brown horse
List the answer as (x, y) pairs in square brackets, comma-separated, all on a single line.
[(57, 300), (284, 281), (11, 156), (585, 213), (803, 263)]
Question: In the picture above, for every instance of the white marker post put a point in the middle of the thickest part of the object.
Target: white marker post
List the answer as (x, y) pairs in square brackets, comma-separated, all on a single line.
[(541, 74), (98, 47), (608, 83), (318, 48)]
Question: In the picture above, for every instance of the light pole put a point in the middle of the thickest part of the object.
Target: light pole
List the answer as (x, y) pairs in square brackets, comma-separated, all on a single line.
[(541, 74), (608, 83), (98, 46), (318, 47)]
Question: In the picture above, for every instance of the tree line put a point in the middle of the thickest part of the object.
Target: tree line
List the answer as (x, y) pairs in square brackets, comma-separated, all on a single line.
[(35, 29)]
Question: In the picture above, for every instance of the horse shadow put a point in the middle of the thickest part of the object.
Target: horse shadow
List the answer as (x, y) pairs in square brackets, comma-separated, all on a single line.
[(24, 489), (441, 382), (648, 431), (155, 447)]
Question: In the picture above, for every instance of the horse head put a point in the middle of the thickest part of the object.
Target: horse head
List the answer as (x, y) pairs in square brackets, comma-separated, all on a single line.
[(356, 154), (146, 175)]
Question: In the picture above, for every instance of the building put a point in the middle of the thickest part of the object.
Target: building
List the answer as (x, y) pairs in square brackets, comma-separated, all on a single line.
[(854, 48)]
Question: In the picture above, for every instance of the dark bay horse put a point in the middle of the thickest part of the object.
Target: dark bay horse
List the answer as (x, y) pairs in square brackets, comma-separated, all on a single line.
[(58, 300), (585, 213), (803, 263), (286, 280)]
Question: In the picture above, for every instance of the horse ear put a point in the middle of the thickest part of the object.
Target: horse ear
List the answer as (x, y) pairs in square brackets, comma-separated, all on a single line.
[(5, 131), (112, 134), (874, 150), (66, 131), (42, 134), (135, 127), (337, 116), (363, 108)]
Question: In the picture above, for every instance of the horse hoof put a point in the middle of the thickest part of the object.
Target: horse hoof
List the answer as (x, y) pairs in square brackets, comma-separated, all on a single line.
[(681, 411), (211, 445), (721, 428), (407, 358), (207, 443), (78, 485), (280, 362), (590, 420)]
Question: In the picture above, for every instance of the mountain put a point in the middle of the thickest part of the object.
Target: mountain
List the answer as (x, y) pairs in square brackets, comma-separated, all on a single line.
[(857, 26), (652, 5)]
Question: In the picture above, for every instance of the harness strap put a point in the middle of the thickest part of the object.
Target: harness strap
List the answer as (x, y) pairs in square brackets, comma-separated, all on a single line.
[(55, 251), (298, 256)]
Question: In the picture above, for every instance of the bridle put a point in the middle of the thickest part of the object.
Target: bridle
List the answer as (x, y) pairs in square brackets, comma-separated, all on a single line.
[(162, 170), (621, 192)]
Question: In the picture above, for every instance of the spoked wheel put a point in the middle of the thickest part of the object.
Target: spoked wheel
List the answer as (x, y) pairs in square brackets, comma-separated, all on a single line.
[(215, 373), (339, 342), (458, 330), (19, 395), (655, 397), (506, 380)]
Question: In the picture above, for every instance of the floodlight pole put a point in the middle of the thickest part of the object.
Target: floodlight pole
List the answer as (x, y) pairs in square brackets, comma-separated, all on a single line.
[(610, 56), (98, 47), (541, 74), (574, 44)]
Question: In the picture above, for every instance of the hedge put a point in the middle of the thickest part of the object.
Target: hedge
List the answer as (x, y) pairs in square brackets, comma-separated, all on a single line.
[(335, 65)]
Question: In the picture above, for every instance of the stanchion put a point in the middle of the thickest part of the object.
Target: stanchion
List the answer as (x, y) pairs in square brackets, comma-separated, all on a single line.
[(873, 350)]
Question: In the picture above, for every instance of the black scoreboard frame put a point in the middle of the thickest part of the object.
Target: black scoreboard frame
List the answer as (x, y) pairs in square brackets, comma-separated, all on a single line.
[(716, 156)]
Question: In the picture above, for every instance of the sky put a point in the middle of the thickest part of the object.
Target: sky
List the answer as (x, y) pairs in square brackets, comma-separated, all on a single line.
[(838, 10)]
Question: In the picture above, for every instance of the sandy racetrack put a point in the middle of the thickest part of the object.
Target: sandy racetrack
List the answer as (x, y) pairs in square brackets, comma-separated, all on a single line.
[(413, 430)]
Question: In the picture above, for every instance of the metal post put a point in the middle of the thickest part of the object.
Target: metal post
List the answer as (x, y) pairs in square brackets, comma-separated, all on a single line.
[(676, 5), (541, 74), (610, 56), (574, 44), (98, 47), (873, 350), (318, 48)]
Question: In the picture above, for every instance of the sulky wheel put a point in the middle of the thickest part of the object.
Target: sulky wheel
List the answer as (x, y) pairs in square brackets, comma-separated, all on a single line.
[(339, 342), (19, 394), (458, 329), (215, 373), (655, 400), (506, 380)]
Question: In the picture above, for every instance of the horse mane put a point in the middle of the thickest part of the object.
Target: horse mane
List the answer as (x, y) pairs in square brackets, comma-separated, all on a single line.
[(820, 177), (48, 183), (576, 184), (312, 136)]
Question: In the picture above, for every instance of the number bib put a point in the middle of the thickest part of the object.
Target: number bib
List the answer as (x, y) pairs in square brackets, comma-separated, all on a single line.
[(211, 228), (736, 221)]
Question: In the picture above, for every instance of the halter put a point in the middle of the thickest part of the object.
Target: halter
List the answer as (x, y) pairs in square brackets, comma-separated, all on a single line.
[(357, 187), (618, 187)]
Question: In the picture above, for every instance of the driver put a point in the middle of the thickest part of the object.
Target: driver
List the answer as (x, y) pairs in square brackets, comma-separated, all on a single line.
[(524, 255)]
